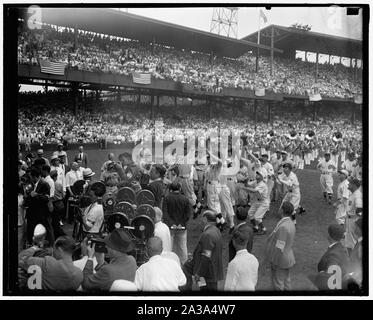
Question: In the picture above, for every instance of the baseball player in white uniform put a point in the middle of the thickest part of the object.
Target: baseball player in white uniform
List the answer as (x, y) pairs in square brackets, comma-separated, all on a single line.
[(260, 200), (354, 212), (327, 167), (291, 185), (343, 193), (349, 164), (266, 165)]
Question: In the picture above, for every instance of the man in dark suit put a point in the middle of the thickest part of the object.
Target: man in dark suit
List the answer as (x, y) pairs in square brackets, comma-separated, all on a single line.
[(207, 262), (334, 264), (243, 227), (157, 185), (122, 266), (82, 156), (176, 213), (37, 206), (279, 249)]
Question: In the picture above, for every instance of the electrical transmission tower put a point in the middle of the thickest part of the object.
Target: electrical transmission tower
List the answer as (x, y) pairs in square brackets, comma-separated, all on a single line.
[(225, 21)]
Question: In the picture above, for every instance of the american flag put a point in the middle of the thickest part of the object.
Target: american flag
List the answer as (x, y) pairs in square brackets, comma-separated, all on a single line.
[(141, 78), (57, 68)]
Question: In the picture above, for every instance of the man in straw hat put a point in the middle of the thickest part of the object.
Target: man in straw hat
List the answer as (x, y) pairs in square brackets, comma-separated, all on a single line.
[(122, 266)]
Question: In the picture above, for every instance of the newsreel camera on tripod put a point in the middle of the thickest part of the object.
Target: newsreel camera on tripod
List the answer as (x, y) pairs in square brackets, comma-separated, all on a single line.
[(125, 209)]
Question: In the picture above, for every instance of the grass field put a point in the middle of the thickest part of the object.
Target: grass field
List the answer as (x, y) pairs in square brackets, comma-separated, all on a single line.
[(311, 237)]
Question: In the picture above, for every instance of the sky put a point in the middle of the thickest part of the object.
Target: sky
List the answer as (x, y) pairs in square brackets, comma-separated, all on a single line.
[(329, 20)]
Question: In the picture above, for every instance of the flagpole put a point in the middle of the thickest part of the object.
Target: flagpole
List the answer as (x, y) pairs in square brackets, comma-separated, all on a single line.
[(257, 49)]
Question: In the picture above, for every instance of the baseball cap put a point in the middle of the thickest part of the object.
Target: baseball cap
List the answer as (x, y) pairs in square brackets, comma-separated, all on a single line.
[(355, 182), (336, 232), (262, 172), (287, 165), (40, 151), (54, 157)]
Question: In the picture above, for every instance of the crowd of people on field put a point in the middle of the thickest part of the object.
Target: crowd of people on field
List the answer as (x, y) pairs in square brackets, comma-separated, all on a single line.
[(230, 203)]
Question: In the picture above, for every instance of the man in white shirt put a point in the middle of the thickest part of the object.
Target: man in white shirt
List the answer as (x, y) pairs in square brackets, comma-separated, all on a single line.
[(327, 167), (72, 176), (55, 165), (45, 171), (242, 273), (343, 193), (162, 231), (93, 216), (159, 273)]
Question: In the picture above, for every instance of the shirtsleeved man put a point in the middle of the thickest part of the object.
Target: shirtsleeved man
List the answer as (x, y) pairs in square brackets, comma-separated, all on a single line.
[(343, 193), (327, 167), (279, 249), (207, 262)]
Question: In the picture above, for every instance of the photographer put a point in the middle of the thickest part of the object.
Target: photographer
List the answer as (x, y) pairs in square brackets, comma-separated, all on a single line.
[(58, 272), (121, 266), (93, 216)]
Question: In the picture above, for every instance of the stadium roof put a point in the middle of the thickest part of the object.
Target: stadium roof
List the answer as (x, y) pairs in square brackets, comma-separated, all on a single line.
[(131, 26), (290, 38)]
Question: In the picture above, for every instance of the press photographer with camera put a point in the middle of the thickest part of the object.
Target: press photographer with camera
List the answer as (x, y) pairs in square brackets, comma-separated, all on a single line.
[(93, 215), (57, 270), (121, 266)]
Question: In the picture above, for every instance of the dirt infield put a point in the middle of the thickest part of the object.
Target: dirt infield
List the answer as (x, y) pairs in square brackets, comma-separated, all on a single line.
[(311, 238)]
